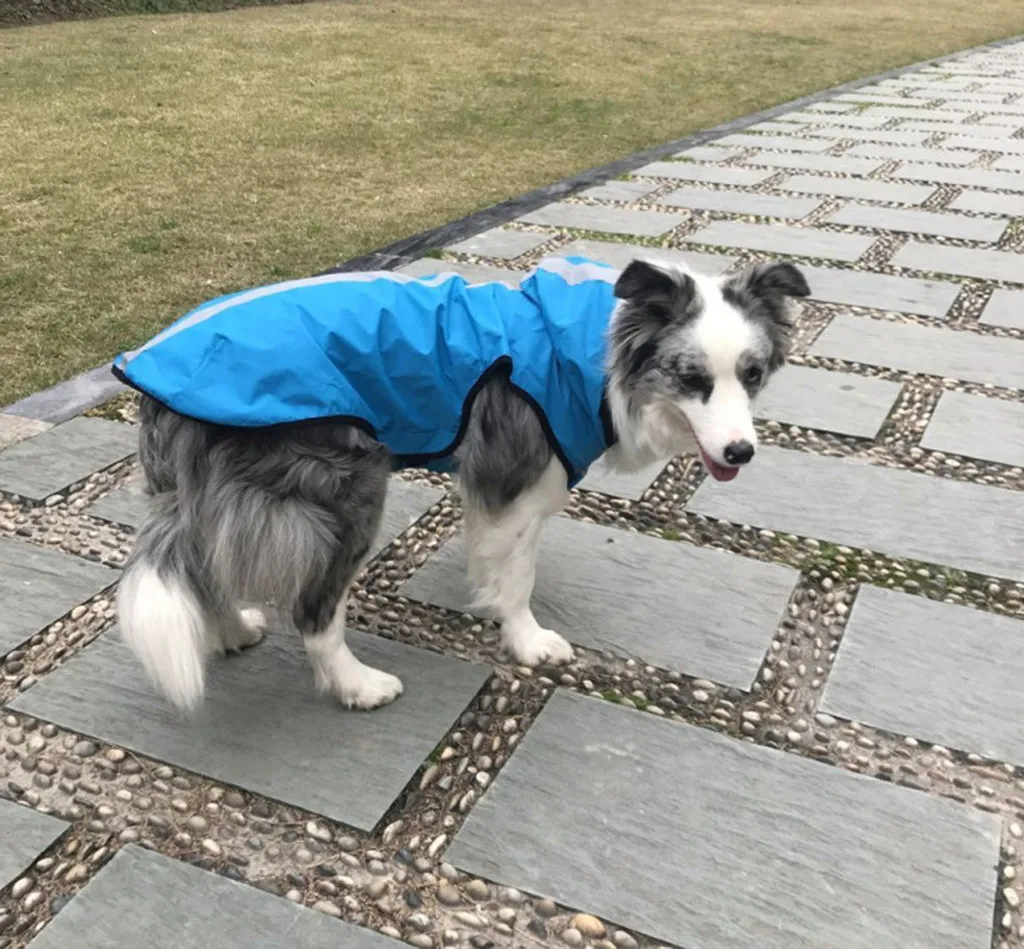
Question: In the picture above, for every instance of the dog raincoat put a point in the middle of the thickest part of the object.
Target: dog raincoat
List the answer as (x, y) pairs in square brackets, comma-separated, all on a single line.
[(399, 356)]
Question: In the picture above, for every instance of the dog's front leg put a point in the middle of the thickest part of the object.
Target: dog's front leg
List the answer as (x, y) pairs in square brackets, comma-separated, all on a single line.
[(503, 564)]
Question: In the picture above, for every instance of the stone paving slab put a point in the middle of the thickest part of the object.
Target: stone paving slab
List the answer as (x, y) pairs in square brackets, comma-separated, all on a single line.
[(60, 456), (38, 586), (609, 220), (881, 291), (788, 143), (143, 898), (1004, 308), (979, 427), (944, 673), (621, 484), (703, 841), (14, 428), (968, 177), (940, 224), (830, 163), (500, 242), (713, 174), (911, 153), (801, 241), (741, 202), (970, 526), (969, 357), (620, 255), (961, 261), (830, 401), (619, 191), (890, 136), (125, 505), (583, 570), (25, 834), (706, 153), (262, 726), (983, 202), (474, 273), (862, 189)]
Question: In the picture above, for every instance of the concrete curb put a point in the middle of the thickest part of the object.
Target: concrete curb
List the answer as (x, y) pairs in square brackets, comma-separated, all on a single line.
[(89, 389)]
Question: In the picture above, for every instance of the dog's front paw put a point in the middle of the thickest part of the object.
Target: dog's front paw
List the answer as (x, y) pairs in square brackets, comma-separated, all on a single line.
[(371, 689), (531, 647)]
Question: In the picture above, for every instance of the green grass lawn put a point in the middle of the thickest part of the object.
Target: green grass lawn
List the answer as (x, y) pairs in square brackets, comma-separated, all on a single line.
[(149, 163)]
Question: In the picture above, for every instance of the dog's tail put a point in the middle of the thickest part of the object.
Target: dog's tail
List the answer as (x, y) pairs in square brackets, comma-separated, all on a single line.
[(160, 608)]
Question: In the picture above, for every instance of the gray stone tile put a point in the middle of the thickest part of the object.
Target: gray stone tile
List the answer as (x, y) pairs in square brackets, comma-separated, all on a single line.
[(126, 505), (802, 241), (38, 586), (262, 726), (831, 401), (789, 143), (968, 131), (912, 153), (501, 243), (942, 673), (143, 898), (735, 839), (939, 223), (985, 203), (829, 105), (862, 189), (892, 137), (707, 153), (881, 292), (406, 502), (583, 570), (25, 834), (935, 351), (619, 191), (621, 484), (840, 165), (1005, 308), (969, 526), (688, 171), (963, 261), (979, 427), (856, 120), (620, 255), (56, 459), (15, 428), (1009, 163), (741, 202), (474, 273), (608, 220), (969, 177)]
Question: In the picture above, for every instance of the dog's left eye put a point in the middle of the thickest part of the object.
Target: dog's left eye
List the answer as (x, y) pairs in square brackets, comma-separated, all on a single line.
[(753, 376)]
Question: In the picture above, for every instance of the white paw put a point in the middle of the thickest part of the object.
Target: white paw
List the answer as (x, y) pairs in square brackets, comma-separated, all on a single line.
[(539, 645), (370, 688)]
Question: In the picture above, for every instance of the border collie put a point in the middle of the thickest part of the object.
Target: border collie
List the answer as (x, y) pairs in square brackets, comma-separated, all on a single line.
[(247, 510)]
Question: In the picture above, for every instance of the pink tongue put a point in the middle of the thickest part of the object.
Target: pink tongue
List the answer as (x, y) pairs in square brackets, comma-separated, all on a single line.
[(718, 472)]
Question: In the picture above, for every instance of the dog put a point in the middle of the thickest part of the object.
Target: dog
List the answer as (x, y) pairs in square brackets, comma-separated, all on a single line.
[(243, 514)]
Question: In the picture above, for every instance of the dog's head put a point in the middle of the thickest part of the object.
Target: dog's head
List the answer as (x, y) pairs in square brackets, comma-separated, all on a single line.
[(689, 353)]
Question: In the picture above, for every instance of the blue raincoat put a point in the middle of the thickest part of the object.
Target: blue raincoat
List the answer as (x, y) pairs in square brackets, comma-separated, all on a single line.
[(399, 356)]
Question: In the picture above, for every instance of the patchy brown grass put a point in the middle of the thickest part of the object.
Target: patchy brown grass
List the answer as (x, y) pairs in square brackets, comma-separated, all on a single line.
[(148, 163)]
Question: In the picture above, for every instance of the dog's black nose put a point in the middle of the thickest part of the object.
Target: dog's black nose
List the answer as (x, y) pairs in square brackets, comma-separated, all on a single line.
[(738, 453)]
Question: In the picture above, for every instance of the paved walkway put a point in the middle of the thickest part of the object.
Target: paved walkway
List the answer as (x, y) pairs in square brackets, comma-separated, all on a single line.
[(796, 720)]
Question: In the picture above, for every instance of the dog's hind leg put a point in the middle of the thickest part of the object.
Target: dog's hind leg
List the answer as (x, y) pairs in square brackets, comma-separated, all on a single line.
[(336, 668)]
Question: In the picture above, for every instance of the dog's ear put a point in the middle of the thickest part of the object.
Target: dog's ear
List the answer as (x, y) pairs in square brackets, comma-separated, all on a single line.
[(763, 292), (658, 293)]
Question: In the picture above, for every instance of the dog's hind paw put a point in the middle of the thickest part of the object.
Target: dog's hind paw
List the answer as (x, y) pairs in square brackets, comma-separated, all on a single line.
[(372, 689), (538, 645)]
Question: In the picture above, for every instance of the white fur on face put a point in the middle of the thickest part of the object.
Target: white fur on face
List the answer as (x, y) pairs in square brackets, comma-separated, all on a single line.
[(724, 335)]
